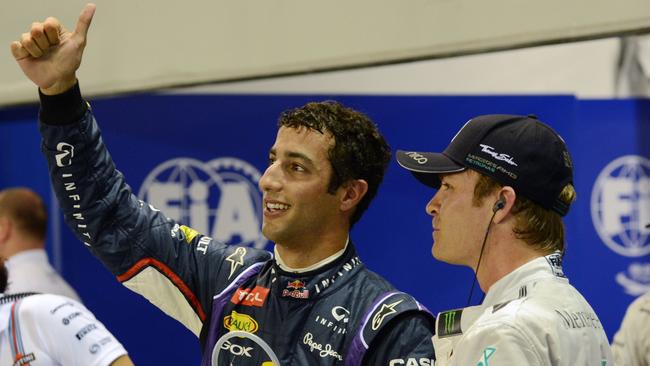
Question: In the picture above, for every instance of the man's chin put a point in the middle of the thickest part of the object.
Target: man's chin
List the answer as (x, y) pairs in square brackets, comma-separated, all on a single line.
[(435, 252), (272, 233)]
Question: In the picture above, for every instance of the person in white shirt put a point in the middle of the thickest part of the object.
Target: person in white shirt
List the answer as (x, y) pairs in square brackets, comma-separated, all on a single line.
[(631, 345), (52, 330), (503, 185), (23, 225)]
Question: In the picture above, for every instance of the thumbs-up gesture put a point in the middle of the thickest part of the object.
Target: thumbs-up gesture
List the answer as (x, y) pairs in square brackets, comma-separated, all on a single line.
[(50, 55)]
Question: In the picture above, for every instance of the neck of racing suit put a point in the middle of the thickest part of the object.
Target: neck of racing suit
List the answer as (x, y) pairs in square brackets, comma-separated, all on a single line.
[(314, 266)]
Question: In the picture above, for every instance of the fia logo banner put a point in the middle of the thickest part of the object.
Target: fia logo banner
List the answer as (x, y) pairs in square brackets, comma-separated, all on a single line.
[(620, 211), (219, 198)]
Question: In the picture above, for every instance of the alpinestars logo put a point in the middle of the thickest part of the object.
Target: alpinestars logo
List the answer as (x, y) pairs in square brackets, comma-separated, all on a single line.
[(620, 211), (385, 311), (219, 198)]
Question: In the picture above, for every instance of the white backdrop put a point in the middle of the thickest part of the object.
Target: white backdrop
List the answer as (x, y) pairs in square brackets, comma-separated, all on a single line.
[(148, 44)]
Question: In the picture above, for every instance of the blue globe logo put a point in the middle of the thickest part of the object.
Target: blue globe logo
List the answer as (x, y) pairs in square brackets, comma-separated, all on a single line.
[(219, 198), (620, 205)]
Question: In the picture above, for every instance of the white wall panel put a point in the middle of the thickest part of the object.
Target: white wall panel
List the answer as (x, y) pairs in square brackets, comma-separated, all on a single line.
[(144, 44)]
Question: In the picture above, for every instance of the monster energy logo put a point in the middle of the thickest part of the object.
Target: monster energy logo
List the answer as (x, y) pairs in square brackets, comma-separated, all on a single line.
[(450, 317), (449, 323)]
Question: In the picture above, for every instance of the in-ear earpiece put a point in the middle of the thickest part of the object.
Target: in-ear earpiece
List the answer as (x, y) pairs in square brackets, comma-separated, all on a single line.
[(499, 204)]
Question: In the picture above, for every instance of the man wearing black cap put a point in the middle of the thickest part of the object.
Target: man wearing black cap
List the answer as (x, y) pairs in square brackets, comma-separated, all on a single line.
[(504, 183)]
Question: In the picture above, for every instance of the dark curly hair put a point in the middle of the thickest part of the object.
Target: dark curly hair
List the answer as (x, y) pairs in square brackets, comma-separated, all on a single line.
[(359, 150)]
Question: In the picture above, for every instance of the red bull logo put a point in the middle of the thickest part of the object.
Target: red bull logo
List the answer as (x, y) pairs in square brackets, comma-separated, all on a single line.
[(296, 289), (296, 285)]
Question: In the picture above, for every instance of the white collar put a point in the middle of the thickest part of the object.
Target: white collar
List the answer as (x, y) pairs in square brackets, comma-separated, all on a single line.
[(508, 287), (27, 256), (314, 266)]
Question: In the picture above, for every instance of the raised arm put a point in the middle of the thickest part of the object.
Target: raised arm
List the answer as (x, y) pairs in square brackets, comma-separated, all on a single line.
[(174, 267)]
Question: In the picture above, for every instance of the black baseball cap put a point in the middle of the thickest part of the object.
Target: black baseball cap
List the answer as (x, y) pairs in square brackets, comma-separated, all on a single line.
[(517, 151)]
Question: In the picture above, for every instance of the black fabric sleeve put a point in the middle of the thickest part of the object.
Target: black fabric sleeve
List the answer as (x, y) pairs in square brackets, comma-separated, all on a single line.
[(62, 109), (404, 341)]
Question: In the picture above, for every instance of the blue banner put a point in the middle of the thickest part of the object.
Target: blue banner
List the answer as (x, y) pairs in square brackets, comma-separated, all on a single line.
[(199, 158)]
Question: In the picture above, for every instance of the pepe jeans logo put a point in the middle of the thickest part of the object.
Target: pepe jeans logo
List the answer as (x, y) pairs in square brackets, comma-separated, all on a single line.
[(620, 211), (323, 350), (498, 156), (219, 198)]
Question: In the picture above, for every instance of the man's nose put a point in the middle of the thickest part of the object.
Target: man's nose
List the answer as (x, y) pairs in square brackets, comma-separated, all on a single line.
[(432, 206), (270, 180)]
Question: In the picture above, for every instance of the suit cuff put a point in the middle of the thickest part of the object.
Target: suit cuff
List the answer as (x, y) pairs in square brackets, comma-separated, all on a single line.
[(62, 109)]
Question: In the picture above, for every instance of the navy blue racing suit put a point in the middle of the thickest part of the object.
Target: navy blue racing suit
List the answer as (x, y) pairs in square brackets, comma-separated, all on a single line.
[(243, 307)]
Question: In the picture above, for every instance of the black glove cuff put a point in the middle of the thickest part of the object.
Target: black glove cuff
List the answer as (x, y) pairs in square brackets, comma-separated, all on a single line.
[(62, 109)]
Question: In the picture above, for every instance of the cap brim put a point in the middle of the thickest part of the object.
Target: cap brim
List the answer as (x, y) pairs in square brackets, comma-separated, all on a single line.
[(426, 166)]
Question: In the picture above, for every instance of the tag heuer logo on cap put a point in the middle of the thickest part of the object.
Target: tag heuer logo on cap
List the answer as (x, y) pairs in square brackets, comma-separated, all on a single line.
[(498, 156)]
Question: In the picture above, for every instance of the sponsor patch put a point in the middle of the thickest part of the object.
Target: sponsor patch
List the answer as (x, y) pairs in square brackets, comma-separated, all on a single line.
[(236, 259), (296, 289), (322, 350), (449, 323), (189, 233), (250, 297), (488, 352), (385, 311), (238, 321)]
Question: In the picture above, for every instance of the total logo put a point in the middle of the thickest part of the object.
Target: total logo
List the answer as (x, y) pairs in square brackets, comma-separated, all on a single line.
[(250, 297), (219, 198), (620, 211)]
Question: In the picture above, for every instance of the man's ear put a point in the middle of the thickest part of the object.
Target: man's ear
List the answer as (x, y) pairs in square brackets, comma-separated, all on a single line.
[(5, 228), (353, 192), (506, 201)]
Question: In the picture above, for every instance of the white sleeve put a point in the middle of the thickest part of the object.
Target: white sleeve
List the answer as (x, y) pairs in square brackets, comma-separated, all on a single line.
[(494, 344), (68, 332), (631, 345)]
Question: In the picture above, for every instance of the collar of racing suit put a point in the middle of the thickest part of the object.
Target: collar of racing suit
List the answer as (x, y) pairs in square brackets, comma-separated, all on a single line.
[(317, 282), (314, 266), (512, 285), (451, 324)]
